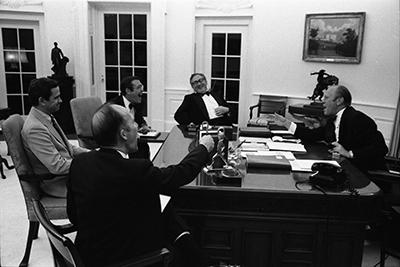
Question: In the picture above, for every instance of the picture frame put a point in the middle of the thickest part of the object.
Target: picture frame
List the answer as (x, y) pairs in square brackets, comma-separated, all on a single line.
[(334, 37)]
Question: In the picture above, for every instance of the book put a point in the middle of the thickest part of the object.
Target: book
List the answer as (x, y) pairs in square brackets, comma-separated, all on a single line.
[(255, 132), (276, 162)]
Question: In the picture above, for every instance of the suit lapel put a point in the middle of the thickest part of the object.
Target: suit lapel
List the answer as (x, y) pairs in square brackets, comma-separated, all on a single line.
[(343, 125), (200, 103), (50, 127)]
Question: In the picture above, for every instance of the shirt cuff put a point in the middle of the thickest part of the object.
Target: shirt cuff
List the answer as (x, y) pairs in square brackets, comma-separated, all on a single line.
[(351, 154), (292, 128), (179, 236)]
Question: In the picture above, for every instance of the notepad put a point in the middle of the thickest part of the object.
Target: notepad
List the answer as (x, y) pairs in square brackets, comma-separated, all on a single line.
[(268, 162), (285, 146)]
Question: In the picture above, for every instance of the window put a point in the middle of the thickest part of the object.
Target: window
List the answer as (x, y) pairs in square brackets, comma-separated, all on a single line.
[(225, 68), (20, 66), (125, 46)]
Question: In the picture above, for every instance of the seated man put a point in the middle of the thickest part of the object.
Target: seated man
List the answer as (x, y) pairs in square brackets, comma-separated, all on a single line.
[(131, 98), (351, 133), (47, 147), (202, 105), (114, 201)]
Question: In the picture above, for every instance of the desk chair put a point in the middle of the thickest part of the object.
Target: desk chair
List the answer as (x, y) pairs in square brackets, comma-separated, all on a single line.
[(55, 207), (267, 104), (390, 185), (66, 254), (83, 109)]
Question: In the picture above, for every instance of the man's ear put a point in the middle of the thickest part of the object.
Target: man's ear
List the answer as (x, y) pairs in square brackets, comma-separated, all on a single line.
[(41, 100), (339, 101), (122, 133)]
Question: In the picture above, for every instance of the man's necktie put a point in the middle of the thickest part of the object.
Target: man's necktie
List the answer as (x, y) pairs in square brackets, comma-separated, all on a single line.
[(131, 108), (60, 132)]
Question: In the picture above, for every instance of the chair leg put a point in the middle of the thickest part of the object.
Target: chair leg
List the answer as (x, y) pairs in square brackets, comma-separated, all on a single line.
[(1, 168), (32, 234)]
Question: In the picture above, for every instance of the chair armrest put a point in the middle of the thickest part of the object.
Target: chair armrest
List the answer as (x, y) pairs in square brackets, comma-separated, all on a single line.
[(66, 228), (251, 110), (153, 257)]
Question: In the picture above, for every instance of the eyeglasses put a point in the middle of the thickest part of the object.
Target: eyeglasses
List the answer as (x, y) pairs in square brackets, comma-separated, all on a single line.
[(198, 81)]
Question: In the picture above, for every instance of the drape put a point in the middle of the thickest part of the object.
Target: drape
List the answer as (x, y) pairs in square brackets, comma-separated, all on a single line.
[(394, 149)]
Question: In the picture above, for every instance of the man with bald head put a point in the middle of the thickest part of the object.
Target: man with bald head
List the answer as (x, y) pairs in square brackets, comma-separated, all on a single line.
[(114, 201), (352, 133)]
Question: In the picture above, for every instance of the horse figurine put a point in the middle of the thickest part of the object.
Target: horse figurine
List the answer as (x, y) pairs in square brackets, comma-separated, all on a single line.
[(324, 80)]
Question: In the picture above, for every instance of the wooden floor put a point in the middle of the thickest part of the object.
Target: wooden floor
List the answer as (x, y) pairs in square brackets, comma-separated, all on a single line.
[(14, 227)]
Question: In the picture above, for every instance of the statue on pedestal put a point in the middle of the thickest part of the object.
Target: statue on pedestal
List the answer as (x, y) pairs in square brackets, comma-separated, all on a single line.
[(59, 62), (324, 80)]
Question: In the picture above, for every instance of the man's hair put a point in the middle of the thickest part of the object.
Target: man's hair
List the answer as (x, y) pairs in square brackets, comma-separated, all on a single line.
[(194, 74), (126, 83), (106, 123), (40, 87), (342, 91)]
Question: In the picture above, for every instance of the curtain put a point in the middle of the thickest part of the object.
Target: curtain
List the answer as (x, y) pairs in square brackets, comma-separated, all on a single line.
[(394, 149)]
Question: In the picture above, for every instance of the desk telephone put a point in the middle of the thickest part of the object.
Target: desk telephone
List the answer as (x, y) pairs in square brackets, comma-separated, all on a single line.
[(327, 175)]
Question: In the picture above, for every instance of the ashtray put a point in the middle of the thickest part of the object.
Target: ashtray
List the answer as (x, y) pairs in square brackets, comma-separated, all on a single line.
[(230, 172)]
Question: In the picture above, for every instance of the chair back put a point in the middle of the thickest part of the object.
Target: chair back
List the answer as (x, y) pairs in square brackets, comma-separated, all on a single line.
[(83, 109), (272, 104), (61, 245), (30, 185)]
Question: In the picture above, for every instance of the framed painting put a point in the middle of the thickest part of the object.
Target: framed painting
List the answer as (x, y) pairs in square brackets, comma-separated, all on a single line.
[(334, 37)]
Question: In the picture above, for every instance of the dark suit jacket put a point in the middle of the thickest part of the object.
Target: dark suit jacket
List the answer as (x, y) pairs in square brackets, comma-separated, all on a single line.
[(114, 202), (358, 133), (138, 110), (194, 110)]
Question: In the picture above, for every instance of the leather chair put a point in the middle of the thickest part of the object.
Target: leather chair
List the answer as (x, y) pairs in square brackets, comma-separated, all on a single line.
[(65, 253), (55, 207), (389, 182), (267, 104), (83, 109)]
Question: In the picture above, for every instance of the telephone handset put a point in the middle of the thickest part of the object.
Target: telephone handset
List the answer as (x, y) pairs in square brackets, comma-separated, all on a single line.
[(327, 175)]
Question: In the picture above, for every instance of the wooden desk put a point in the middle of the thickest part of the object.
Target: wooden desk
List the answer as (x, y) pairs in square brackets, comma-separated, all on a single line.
[(267, 221)]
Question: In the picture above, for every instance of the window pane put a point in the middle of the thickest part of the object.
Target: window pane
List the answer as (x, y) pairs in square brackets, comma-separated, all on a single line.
[(140, 54), (9, 38), (233, 68), (125, 72), (110, 26), (125, 26), (26, 39), (218, 43), (232, 90), (142, 74), (125, 56), (15, 103), (140, 26), (13, 83), (28, 61), (234, 43), (112, 79), (217, 67), (26, 80), (110, 96), (27, 104), (233, 108), (217, 86), (11, 60), (111, 53)]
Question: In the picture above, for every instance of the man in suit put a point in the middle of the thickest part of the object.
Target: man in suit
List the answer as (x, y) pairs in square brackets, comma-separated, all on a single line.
[(47, 147), (131, 98), (202, 105), (114, 201), (351, 133)]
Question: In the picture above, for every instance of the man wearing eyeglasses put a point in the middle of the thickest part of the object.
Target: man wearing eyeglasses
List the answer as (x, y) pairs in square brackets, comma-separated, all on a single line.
[(350, 133), (131, 98), (202, 105)]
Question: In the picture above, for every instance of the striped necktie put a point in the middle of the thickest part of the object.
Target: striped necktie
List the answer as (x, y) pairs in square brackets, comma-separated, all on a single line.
[(60, 132)]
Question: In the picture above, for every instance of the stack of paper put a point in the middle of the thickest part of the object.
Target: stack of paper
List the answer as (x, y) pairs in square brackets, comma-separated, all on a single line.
[(304, 165), (285, 146)]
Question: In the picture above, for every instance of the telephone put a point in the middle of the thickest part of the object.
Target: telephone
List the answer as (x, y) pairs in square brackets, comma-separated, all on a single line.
[(327, 175)]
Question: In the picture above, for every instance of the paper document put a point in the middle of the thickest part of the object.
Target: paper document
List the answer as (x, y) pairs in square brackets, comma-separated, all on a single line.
[(304, 165), (254, 147), (285, 146), (253, 139), (280, 132), (287, 154), (151, 134), (164, 201)]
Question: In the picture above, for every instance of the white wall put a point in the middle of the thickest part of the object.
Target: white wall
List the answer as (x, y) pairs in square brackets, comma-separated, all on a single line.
[(277, 65)]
